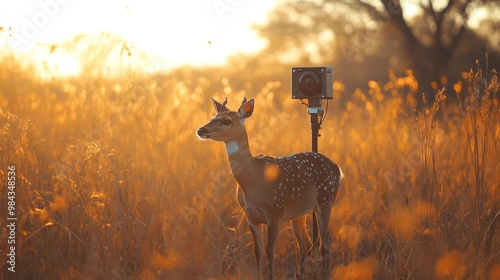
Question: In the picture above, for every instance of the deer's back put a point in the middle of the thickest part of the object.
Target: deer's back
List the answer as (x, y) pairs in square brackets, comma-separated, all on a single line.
[(301, 181)]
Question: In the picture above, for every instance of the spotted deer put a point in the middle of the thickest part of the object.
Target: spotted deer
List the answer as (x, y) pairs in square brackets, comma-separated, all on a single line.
[(275, 189)]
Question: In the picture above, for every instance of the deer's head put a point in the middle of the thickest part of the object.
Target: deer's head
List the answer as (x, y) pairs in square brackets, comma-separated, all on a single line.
[(227, 125)]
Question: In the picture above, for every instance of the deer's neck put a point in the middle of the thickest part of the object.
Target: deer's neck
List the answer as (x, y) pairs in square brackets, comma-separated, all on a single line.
[(242, 162)]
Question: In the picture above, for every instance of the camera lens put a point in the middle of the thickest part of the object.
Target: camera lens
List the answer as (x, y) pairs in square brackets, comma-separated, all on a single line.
[(309, 83)]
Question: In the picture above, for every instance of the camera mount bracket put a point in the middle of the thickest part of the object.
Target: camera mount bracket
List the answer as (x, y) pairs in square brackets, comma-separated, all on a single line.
[(315, 110)]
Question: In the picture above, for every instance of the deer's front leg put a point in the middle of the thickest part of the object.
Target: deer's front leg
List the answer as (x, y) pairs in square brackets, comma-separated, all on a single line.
[(256, 230), (256, 218), (273, 227)]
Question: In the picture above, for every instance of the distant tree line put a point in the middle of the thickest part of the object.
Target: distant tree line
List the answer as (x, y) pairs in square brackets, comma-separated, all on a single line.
[(363, 39)]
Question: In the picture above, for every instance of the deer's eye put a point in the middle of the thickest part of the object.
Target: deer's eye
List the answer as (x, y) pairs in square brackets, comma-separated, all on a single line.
[(226, 122)]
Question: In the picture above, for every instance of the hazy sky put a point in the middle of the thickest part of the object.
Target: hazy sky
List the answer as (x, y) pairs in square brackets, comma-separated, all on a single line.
[(187, 31)]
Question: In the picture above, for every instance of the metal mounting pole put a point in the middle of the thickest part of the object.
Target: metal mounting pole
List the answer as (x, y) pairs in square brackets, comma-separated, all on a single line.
[(314, 109)]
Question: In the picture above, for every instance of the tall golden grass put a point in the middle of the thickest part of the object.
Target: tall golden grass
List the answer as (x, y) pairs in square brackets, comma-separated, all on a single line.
[(113, 184)]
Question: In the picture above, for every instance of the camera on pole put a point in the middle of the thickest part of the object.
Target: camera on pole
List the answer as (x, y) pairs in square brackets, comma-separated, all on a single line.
[(313, 84)]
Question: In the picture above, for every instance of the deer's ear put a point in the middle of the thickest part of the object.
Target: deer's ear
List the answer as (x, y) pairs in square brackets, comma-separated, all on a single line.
[(246, 109), (219, 107)]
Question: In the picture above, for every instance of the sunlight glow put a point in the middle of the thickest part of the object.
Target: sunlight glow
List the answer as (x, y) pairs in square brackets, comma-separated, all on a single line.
[(60, 64), (176, 32)]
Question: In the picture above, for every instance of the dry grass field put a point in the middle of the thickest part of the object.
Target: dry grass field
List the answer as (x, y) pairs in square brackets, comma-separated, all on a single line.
[(112, 182)]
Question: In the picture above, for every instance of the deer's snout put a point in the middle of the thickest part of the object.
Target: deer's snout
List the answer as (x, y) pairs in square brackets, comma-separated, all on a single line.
[(203, 133)]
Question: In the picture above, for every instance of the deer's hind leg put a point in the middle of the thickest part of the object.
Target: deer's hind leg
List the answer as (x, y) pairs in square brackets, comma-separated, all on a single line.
[(299, 228), (324, 214)]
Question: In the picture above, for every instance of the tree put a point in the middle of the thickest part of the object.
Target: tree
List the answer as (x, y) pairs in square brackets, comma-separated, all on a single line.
[(419, 35)]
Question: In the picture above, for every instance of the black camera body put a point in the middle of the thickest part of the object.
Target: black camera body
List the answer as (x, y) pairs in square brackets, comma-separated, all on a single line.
[(312, 82)]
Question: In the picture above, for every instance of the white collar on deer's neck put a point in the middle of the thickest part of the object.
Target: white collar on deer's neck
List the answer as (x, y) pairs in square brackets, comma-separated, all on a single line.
[(232, 147)]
